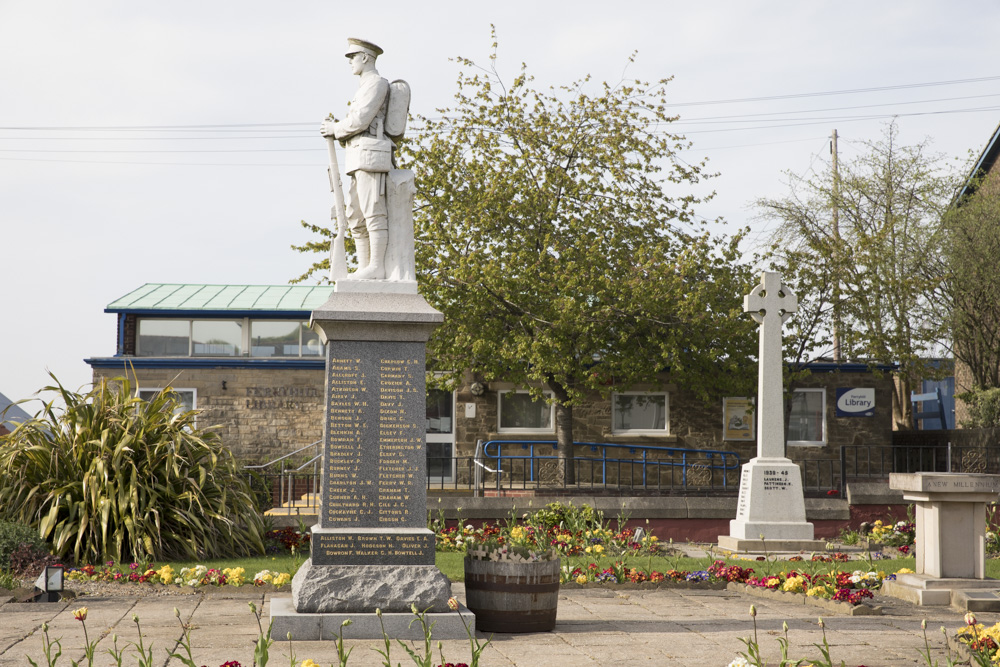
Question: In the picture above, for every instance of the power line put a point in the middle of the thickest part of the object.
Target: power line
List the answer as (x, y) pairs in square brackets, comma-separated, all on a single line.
[(850, 91)]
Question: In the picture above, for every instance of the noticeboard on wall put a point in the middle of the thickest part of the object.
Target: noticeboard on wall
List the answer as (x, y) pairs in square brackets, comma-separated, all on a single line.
[(737, 418), (855, 402)]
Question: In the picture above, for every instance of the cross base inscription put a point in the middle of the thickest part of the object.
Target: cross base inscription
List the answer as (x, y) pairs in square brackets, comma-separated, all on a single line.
[(771, 504)]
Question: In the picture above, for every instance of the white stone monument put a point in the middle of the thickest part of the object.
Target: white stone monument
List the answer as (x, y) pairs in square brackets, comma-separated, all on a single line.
[(372, 556), (771, 512), (951, 540), (379, 207)]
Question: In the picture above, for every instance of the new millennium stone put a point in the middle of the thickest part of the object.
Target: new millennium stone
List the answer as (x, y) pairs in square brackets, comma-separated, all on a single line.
[(365, 588)]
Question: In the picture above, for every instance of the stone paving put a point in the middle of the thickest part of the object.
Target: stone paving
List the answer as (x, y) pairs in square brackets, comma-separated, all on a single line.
[(594, 627)]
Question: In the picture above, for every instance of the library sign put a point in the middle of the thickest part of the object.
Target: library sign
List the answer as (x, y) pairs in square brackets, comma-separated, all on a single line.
[(855, 402)]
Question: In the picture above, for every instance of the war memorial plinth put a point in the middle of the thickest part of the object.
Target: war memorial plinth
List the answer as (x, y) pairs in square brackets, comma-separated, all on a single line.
[(371, 550)]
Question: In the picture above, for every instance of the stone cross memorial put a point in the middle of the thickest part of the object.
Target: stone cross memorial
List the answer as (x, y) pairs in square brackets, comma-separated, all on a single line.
[(771, 509), (371, 549)]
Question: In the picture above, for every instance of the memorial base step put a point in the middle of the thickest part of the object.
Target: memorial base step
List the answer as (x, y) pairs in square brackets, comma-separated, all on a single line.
[(364, 625), (962, 594), (762, 547)]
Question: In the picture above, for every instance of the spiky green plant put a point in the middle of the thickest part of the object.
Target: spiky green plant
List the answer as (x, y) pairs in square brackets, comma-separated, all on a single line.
[(108, 476)]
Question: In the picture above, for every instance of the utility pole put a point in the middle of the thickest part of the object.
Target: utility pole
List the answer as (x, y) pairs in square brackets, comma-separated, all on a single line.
[(836, 245)]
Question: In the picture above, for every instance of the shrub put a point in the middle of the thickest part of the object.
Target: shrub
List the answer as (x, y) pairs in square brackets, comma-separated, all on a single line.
[(984, 408), (13, 535), (112, 477)]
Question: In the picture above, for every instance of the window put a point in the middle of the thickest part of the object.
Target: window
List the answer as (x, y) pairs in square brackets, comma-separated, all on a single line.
[(807, 419), (164, 338), (211, 338), (440, 435), (185, 397), (282, 338), (226, 338), (640, 413), (519, 412)]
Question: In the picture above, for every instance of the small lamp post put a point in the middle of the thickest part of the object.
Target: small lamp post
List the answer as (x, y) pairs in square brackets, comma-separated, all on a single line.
[(50, 582)]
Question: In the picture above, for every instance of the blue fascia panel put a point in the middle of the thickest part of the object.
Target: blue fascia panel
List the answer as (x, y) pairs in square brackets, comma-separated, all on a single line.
[(214, 362)]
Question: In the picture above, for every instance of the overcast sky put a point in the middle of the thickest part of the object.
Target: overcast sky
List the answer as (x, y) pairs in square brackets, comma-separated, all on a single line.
[(140, 190)]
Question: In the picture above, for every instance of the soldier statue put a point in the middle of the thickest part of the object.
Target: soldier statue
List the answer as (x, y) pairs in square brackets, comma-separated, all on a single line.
[(368, 160)]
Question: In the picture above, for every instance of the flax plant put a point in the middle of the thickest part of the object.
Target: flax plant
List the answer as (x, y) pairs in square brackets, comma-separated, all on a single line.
[(109, 476)]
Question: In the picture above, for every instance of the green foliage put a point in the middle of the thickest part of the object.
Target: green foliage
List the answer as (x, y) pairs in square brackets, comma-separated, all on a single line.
[(554, 231), (983, 407), (881, 274), (112, 477), (13, 535), (971, 251), (568, 516)]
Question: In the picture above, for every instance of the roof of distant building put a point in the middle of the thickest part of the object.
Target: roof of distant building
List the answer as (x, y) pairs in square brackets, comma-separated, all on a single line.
[(153, 298), (983, 165), (13, 416)]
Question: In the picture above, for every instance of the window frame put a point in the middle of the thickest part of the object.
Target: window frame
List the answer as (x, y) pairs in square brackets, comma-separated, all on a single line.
[(641, 431), (246, 338), (823, 423), (177, 390), (522, 429)]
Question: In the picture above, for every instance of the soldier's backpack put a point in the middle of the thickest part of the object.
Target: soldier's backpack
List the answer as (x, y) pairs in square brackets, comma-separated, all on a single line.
[(397, 109)]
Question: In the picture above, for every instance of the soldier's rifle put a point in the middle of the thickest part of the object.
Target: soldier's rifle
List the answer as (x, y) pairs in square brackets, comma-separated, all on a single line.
[(338, 248)]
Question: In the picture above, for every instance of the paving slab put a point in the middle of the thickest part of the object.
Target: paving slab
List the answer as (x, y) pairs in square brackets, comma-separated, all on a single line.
[(684, 627)]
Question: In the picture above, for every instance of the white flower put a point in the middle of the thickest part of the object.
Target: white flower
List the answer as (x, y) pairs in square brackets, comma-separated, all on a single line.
[(739, 662)]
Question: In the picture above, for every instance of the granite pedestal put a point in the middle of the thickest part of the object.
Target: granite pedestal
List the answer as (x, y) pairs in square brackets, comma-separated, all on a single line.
[(371, 548)]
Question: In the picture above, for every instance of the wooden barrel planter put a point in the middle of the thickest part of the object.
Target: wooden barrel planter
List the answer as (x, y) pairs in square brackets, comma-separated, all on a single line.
[(507, 596)]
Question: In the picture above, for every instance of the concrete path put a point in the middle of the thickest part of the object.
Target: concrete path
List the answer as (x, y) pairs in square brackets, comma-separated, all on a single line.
[(688, 628)]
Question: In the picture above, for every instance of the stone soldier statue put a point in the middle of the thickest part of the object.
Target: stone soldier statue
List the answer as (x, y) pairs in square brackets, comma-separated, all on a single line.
[(368, 160)]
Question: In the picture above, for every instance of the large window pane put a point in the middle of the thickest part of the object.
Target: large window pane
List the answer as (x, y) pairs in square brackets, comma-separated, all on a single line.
[(164, 338), (269, 338), (439, 459), (805, 423), (440, 411), (639, 412), (519, 412), (217, 338)]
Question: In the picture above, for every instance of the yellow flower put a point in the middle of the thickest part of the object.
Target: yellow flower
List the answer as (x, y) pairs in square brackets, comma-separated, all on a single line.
[(453, 603), (904, 570), (598, 549), (281, 579), (165, 574), (582, 579), (309, 663), (80, 614)]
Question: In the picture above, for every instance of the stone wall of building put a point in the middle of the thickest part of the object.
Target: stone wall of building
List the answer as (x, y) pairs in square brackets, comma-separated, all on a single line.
[(692, 424), (261, 413)]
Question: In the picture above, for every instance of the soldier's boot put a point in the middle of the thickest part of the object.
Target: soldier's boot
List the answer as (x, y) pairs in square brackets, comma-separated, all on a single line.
[(376, 269), (361, 252)]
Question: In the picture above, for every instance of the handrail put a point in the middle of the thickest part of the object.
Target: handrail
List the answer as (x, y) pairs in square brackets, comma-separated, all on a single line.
[(282, 458), (644, 461)]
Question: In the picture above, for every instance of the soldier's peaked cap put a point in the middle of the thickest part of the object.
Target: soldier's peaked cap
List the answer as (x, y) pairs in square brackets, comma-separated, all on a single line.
[(355, 45)]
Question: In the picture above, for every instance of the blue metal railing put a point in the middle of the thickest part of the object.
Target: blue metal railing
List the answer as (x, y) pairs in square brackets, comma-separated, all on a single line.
[(651, 461)]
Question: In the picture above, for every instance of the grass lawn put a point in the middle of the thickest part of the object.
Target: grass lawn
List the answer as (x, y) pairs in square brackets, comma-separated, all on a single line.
[(451, 564)]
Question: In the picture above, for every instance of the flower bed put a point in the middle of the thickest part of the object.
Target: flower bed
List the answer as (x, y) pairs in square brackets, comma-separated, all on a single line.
[(187, 577)]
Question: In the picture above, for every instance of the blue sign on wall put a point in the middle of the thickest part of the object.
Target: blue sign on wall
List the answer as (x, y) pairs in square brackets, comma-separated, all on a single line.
[(855, 402)]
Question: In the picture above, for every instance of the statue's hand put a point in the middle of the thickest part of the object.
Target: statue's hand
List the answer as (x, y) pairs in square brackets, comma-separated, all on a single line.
[(326, 128)]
